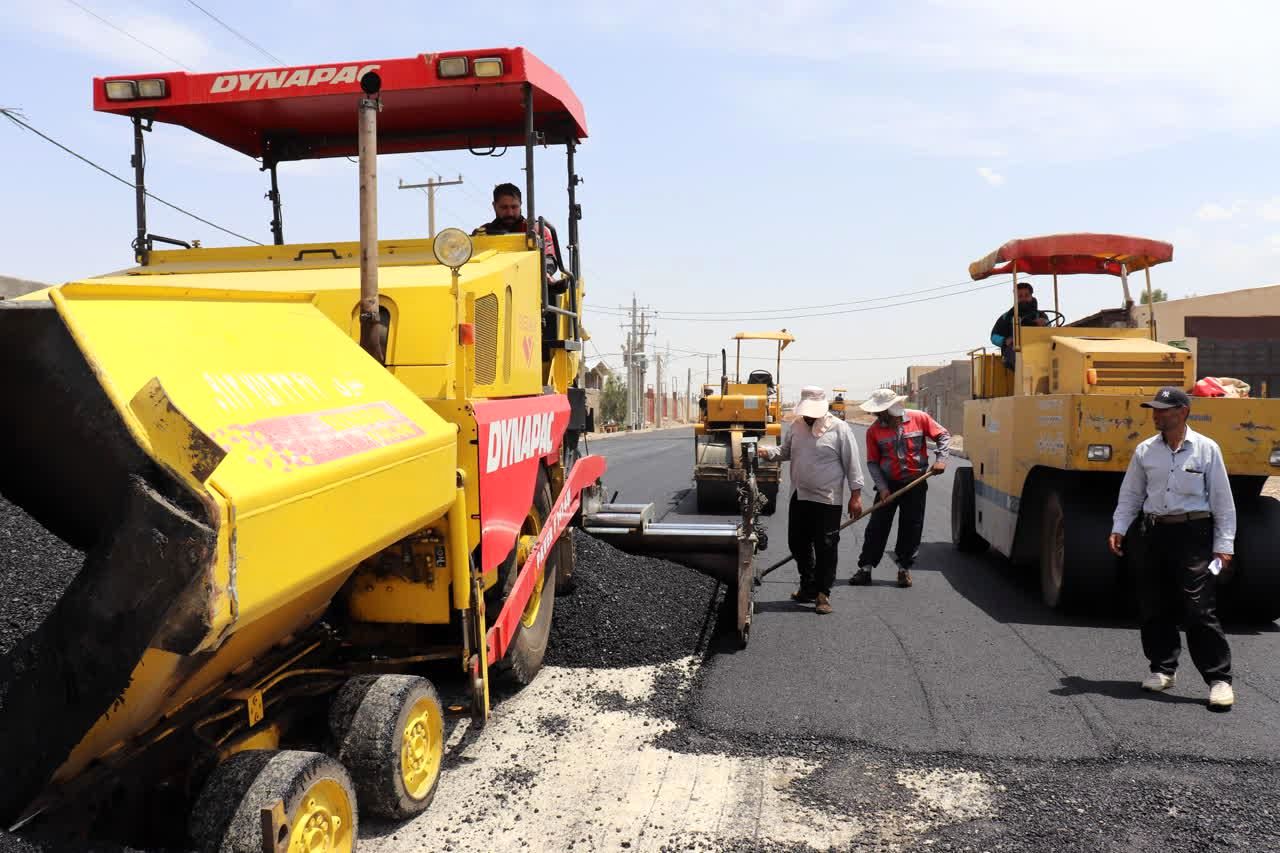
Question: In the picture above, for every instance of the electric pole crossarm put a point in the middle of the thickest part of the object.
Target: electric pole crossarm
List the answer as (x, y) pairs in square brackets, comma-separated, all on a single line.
[(431, 186)]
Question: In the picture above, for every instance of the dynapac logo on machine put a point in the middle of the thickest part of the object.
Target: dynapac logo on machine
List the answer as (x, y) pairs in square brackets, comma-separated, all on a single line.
[(513, 440), (328, 74)]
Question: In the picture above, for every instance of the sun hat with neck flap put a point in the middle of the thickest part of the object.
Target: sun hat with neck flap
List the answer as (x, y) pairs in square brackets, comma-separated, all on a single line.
[(884, 400), (813, 402)]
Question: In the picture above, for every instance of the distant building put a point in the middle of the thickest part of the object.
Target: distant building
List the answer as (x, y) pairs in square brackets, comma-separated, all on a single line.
[(943, 391), (593, 380), (1234, 334), (596, 377), (914, 375)]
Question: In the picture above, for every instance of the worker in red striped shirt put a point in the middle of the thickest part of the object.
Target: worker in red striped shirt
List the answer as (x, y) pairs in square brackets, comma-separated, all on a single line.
[(898, 454)]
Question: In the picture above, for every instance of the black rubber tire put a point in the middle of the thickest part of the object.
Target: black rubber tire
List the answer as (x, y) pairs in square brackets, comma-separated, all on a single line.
[(368, 719), (964, 522), (529, 645), (1077, 571), (227, 815), (565, 562), (1252, 593)]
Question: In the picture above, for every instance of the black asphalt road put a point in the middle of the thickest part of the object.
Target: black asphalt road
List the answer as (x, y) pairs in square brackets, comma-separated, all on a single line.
[(967, 661)]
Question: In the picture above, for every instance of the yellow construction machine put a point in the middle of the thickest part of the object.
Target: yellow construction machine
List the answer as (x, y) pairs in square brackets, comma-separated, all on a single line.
[(751, 409), (299, 473), (1050, 439), (838, 403)]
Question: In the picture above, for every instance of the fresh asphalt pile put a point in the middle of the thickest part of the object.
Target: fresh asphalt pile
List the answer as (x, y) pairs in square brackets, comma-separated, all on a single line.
[(630, 611), (35, 569)]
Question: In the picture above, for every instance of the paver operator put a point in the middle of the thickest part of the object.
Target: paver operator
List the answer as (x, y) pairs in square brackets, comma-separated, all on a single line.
[(1177, 488), (508, 217), (897, 455), (824, 457), (1029, 314)]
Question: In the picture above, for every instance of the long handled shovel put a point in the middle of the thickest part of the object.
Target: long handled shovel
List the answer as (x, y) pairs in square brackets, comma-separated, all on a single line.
[(885, 502)]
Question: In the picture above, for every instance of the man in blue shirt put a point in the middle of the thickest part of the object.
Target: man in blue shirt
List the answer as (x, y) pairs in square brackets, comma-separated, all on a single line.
[(1177, 489)]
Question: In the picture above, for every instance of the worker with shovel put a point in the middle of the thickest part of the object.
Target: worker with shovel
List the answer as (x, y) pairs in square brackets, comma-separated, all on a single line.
[(823, 456), (897, 455)]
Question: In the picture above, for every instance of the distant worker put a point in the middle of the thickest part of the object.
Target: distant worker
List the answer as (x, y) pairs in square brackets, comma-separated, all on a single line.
[(508, 218), (824, 457), (898, 455), (1176, 486), (1029, 314)]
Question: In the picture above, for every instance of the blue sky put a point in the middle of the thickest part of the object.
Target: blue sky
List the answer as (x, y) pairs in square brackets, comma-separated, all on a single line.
[(741, 156)]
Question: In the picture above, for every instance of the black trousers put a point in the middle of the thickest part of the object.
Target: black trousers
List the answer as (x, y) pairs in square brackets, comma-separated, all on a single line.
[(910, 527), (1175, 586), (813, 532)]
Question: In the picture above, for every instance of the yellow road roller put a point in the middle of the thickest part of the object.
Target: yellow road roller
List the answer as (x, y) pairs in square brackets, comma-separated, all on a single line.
[(1050, 438), (750, 409)]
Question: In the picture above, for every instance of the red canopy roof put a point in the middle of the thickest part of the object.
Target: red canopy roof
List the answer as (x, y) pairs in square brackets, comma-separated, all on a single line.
[(309, 111), (1072, 254)]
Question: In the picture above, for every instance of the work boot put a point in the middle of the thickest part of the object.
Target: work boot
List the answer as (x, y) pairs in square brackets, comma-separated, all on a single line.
[(802, 597), (1158, 681), (904, 577), (1221, 696), (824, 607), (862, 577)]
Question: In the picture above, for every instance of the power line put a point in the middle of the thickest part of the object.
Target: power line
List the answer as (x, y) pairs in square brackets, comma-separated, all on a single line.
[(128, 34), (789, 360), (10, 114), (781, 317), (772, 311), (239, 35), (785, 359), (833, 313), (434, 165)]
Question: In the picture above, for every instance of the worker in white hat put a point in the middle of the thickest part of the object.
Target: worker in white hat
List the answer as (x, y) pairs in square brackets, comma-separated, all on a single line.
[(824, 457), (897, 454)]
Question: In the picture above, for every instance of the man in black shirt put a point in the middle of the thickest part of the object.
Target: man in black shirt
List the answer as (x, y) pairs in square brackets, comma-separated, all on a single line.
[(1028, 315), (508, 218), (507, 215)]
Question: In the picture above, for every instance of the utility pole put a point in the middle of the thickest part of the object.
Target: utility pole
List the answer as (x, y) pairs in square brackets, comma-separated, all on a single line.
[(632, 363), (660, 393), (644, 330), (430, 186), (688, 396), (635, 358)]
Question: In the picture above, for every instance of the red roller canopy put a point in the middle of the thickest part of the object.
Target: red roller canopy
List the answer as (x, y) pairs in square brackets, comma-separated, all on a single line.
[(1072, 254), (309, 111)]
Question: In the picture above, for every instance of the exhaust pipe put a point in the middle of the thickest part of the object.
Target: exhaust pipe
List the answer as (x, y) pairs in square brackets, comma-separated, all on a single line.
[(372, 331), (724, 373)]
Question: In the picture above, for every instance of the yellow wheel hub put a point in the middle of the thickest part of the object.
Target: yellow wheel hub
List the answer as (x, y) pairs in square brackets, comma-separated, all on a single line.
[(421, 748), (324, 821), (524, 547)]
